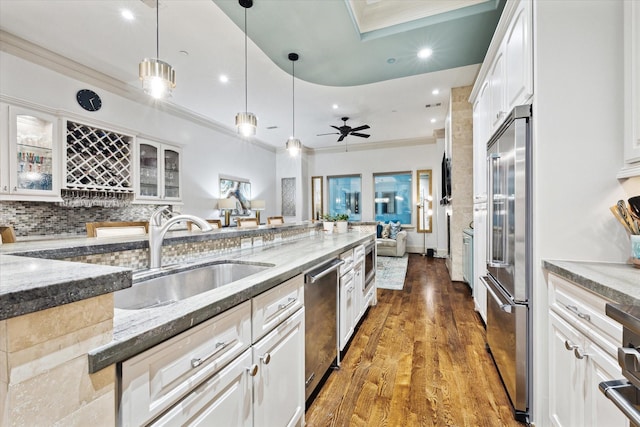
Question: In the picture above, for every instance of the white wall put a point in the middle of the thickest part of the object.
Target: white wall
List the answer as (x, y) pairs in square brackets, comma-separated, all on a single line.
[(370, 161), (206, 152)]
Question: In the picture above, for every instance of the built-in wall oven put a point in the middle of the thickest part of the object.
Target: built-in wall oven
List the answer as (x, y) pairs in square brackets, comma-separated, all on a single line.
[(625, 393), (369, 266)]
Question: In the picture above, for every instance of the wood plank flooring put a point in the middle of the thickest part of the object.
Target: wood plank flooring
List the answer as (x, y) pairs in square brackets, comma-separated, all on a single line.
[(418, 359)]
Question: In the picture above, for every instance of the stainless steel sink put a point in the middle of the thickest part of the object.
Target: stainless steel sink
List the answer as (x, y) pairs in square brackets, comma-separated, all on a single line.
[(166, 289)]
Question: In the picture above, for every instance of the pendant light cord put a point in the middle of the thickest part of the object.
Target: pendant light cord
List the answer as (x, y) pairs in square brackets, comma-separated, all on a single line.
[(245, 62), (293, 96), (158, 29)]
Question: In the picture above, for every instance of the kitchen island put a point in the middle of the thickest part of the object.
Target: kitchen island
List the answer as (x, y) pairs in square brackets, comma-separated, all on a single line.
[(47, 375)]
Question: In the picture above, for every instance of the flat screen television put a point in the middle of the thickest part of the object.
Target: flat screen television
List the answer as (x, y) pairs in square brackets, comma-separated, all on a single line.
[(446, 180)]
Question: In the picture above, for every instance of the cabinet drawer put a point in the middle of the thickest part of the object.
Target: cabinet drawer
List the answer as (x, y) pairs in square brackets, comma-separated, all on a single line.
[(270, 308), (586, 311), (358, 253), (156, 379), (347, 257), (224, 399)]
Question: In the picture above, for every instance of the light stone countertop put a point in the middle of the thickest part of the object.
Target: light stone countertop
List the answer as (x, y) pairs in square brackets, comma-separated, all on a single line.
[(615, 281), (139, 330)]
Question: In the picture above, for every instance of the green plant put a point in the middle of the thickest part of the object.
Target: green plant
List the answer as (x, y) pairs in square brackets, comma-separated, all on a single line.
[(328, 217), (342, 217)]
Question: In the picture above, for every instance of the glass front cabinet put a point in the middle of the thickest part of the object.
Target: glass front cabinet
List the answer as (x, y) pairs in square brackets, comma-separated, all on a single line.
[(29, 155), (159, 171)]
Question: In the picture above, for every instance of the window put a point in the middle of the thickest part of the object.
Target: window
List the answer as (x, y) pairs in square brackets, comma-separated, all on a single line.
[(344, 196), (392, 196)]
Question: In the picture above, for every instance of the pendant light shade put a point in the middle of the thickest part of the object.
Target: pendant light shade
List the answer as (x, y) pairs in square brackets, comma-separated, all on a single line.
[(293, 144), (246, 122), (158, 77)]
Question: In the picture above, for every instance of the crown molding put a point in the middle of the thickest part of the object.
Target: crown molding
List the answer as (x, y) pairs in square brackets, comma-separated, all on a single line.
[(31, 52)]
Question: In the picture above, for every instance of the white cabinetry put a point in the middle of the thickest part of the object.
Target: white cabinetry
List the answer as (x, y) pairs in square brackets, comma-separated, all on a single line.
[(159, 172), (481, 135), (496, 78), (29, 155), (244, 367), (479, 257), (583, 343), (518, 57), (631, 89), (347, 308)]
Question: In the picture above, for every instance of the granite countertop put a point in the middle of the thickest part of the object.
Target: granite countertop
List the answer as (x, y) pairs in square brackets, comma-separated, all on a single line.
[(139, 330), (28, 285), (615, 281)]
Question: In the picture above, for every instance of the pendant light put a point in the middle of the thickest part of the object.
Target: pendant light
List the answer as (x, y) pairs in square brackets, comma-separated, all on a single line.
[(293, 144), (158, 77), (246, 122)]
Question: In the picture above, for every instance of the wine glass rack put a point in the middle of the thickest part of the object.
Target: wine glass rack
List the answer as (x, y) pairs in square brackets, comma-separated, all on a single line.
[(98, 159)]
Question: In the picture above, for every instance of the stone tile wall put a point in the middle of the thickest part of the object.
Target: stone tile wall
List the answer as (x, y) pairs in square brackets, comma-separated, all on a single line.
[(461, 174), (44, 377), (40, 218)]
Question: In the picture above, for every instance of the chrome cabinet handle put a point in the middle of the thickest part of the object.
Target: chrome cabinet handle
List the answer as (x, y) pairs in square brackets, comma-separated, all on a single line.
[(570, 346), (579, 354), (195, 362), (628, 358), (15, 189), (5, 188), (266, 358), (290, 301), (574, 310), (253, 370)]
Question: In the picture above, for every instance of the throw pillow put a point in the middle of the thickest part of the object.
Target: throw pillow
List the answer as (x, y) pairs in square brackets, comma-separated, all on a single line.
[(379, 231), (386, 231), (395, 229)]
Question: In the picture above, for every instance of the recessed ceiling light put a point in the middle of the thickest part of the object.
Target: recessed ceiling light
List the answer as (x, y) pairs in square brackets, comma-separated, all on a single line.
[(424, 53), (127, 14), (433, 120), (391, 61), (223, 78), (334, 106), (435, 91)]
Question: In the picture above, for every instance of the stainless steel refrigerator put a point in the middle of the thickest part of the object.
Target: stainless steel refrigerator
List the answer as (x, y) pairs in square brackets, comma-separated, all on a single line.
[(509, 252)]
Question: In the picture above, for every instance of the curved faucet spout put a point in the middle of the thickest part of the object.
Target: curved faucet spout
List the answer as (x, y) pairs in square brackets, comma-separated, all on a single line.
[(157, 231)]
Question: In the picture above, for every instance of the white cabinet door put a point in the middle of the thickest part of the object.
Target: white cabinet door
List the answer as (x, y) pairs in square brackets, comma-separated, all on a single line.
[(566, 377), (30, 158), (358, 286), (481, 135), (347, 308), (159, 171), (278, 388), (497, 89), (479, 257), (518, 57), (222, 400)]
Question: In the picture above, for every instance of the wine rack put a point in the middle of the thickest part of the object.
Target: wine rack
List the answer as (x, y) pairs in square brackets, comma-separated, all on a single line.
[(98, 159)]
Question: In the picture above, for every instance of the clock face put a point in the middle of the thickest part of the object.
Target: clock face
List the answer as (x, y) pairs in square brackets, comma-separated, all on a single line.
[(89, 100)]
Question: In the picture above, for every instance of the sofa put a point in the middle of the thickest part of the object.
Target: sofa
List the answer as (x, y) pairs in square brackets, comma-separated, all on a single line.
[(392, 247)]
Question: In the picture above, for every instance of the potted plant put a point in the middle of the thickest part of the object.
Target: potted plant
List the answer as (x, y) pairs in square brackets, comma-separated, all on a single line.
[(342, 222), (328, 221)]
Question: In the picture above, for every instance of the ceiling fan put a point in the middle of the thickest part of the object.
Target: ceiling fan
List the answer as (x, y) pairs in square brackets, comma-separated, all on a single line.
[(345, 130)]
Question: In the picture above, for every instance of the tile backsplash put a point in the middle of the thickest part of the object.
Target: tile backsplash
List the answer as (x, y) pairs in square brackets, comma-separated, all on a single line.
[(41, 219)]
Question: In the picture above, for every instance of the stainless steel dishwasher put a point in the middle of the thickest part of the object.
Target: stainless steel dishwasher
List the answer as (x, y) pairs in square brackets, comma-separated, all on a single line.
[(321, 322)]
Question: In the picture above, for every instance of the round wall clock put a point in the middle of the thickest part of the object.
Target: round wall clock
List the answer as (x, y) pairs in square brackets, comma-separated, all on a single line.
[(89, 100)]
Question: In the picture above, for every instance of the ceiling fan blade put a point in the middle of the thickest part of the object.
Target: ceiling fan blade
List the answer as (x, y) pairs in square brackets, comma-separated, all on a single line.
[(361, 135), (341, 138), (332, 133), (335, 127), (360, 128)]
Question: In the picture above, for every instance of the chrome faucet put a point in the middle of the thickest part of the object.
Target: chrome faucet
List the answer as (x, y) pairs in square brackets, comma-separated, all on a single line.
[(157, 231)]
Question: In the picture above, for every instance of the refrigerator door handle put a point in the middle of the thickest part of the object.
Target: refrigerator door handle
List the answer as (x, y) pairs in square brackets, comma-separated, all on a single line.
[(493, 165), (505, 304)]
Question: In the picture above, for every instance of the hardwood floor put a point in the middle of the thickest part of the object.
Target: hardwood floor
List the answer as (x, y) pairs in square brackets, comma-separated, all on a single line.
[(418, 359)]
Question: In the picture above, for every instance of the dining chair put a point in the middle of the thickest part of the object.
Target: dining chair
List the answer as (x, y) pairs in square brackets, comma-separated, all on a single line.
[(7, 234), (247, 222), (275, 220), (215, 223), (117, 228)]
